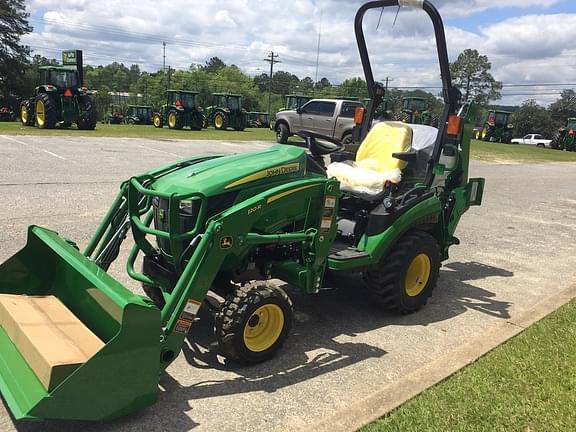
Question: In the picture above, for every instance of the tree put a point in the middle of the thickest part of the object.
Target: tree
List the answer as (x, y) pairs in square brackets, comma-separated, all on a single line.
[(214, 65), (533, 118), (323, 84), (355, 87), (13, 56), (471, 74), (565, 107)]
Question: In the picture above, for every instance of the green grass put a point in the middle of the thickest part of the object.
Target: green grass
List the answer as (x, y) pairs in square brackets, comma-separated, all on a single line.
[(526, 384), (129, 131), (518, 152)]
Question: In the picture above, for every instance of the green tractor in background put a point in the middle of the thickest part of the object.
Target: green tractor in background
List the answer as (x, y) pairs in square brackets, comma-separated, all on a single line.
[(180, 110), (113, 115), (566, 137), (138, 115), (226, 112), (294, 102), (416, 110), (258, 119), (497, 127), (61, 98)]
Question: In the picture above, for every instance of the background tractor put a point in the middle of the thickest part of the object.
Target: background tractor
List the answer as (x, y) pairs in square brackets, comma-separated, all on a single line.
[(61, 98), (497, 127), (294, 102), (415, 110), (211, 231), (181, 110), (258, 119), (113, 115), (226, 112), (565, 139), (138, 114)]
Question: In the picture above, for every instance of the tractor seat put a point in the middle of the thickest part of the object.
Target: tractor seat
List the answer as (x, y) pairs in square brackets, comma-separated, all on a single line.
[(374, 164)]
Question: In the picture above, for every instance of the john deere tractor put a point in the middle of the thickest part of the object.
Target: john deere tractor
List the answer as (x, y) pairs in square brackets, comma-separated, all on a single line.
[(180, 110), (415, 110), (497, 127), (565, 139), (258, 119), (227, 225), (61, 98), (226, 112), (294, 102), (138, 115)]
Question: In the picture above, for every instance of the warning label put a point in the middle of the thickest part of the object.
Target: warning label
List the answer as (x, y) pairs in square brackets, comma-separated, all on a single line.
[(330, 201), (190, 310), (182, 326)]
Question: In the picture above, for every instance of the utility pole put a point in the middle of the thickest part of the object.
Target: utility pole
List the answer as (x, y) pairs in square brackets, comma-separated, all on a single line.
[(164, 57), (272, 60)]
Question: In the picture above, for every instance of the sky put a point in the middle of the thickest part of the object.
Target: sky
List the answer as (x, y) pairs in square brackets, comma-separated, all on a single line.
[(530, 43)]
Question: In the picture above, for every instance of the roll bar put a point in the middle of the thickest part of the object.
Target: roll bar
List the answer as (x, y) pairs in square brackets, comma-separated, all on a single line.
[(450, 94)]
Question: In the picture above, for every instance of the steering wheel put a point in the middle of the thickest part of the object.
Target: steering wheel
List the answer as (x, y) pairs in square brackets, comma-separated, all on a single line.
[(320, 148)]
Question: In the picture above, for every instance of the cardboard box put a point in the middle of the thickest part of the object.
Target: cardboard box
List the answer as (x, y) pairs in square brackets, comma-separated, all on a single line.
[(51, 339)]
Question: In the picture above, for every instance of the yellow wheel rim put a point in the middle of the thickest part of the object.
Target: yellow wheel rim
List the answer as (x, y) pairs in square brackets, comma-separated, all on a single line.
[(417, 275), (172, 119), (263, 328), (40, 113), (484, 133), (24, 114), (156, 121), (218, 121)]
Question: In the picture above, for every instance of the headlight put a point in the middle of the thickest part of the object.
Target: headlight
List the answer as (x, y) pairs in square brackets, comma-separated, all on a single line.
[(188, 207)]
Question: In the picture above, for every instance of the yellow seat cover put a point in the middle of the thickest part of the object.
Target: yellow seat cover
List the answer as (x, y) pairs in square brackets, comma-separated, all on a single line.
[(374, 164)]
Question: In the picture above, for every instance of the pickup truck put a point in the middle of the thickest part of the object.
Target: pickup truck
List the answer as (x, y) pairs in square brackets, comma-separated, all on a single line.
[(330, 117), (533, 139)]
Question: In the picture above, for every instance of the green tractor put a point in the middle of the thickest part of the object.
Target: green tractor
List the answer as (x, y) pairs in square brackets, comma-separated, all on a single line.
[(226, 112), (113, 115), (258, 119), (138, 115), (415, 110), (565, 139), (227, 224), (180, 110), (497, 127), (61, 98), (294, 102)]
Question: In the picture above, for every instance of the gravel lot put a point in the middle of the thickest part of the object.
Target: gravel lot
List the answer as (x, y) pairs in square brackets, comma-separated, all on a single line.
[(517, 250)]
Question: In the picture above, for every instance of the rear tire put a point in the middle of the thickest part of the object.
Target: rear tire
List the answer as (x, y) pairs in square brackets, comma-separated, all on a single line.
[(282, 134), (175, 120), (87, 113), (45, 112), (253, 323), (405, 279)]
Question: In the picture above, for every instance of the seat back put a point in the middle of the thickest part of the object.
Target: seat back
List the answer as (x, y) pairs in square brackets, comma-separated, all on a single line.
[(385, 138)]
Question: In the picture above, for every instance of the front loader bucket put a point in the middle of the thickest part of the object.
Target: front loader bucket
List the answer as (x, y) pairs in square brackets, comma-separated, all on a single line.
[(120, 378)]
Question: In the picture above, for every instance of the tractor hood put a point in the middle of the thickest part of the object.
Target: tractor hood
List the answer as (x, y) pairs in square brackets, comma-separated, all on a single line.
[(228, 173)]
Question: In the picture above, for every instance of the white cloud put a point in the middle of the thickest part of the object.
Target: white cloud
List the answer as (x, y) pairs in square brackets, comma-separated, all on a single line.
[(526, 48)]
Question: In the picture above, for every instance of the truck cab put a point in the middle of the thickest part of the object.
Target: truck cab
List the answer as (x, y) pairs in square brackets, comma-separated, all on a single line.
[(330, 117)]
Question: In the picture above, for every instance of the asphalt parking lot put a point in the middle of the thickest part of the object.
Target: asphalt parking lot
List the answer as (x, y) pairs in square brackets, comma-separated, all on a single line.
[(517, 251)]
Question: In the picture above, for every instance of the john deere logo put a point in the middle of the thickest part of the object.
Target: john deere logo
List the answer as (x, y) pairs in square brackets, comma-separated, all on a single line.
[(162, 214), (226, 242)]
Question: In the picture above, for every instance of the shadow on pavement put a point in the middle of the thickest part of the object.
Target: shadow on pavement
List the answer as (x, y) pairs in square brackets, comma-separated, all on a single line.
[(321, 341)]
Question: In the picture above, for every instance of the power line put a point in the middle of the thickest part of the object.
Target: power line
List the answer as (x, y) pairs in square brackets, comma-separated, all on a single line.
[(272, 59)]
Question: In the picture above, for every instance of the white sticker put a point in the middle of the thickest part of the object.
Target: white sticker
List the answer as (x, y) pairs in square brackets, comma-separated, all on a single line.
[(192, 307), (330, 202), (326, 223)]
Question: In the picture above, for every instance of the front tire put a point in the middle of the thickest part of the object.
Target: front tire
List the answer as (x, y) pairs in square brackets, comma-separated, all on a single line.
[(253, 323), (157, 120), (405, 279), (282, 134), (220, 121), (27, 112)]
